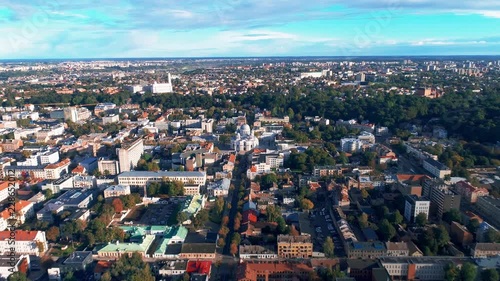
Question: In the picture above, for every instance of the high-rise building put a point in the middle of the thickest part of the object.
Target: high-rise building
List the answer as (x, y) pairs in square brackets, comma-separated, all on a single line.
[(443, 199), (415, 206), (130, 154)]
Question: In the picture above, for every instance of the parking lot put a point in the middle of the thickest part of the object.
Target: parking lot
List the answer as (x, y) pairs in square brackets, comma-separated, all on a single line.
[(322, 222)]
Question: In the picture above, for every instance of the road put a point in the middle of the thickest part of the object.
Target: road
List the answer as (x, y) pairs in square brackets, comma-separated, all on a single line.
[(236, 181)]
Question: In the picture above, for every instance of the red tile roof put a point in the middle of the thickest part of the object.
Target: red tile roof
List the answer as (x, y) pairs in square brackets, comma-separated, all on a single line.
[(58, 165), (201, 267), (78, 170), (21, 235)]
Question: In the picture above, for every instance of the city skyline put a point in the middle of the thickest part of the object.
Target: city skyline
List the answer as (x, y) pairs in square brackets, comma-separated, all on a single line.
[(241, 28)]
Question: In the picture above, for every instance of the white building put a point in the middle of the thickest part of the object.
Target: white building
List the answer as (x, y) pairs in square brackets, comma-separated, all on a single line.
[(107, 166), (162, 88), (350, 145), (116, 190), (417, 268), (11, 264), (26, 242), (130, 154), (113, 118), (415, 206), (437, 169), (245, 139)]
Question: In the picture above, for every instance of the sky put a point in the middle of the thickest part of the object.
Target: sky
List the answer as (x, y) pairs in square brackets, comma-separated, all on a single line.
[(31, 29)]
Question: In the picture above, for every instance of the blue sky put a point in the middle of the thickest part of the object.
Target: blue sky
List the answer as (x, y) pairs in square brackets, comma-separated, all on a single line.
[(187, 28)]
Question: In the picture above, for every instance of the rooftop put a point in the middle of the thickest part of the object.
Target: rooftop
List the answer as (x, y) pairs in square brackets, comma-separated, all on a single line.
[(78, 257), (294, 239), (168, 174), (189, 248)]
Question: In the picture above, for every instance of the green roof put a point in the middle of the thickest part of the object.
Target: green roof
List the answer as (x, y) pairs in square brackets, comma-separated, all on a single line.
[(129, 247), (194, 205), (162, 248), (179, 231)]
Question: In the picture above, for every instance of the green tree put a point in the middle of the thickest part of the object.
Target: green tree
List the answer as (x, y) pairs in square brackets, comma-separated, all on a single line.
[(53, 233), (492, 236), (452, 215), (386, 230), (421, 219), (397, 218), (363, 220), (306, 204), (17, 276), (328, 247), (473, 225), (451, 272), (490, 275), (468, 272)]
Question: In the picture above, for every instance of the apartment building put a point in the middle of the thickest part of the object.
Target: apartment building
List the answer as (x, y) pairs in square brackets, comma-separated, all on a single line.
[(460, 235), (327, 171), (257, 252), (485, 250), (130, 154), (414, 206), (10, 145), (418, 268), (443, 199), (469, 192), (27, 242), (397, 249), (142, 178), (273, 271), (365, 250), (295, 246)]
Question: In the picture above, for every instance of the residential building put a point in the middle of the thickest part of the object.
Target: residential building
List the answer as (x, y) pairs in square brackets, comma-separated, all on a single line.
[(443, 199), (9, 145), (460, 235), (116, 191), (486, 250), (108, 166), (409, 184), (78, 260), (56, 170), (26, 242), (173, 268), (273, 271), (365, 250), (130, 154), (418, 268), (415, 206), (142, 178), (23, 210), (397, 249), (198, 251), (437, 169), (469, 192), (361, 269), (113, 118), (351, 145), (327, 171), (75, 114), (257, 252), (13, 263), (489, 208), (219, 188), (294, 246)]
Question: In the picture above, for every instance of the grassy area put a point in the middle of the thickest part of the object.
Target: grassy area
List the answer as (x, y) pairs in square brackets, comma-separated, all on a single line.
[(59, 252)]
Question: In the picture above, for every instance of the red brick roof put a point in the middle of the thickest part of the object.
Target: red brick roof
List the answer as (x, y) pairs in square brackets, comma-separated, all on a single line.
[(79, 170), (58, 165)]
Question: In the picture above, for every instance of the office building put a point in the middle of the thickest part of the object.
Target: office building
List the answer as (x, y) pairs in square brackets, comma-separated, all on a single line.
[(489, 208), (108, 167), (437, 169), (130, 154), (295, 246), (415, 206)]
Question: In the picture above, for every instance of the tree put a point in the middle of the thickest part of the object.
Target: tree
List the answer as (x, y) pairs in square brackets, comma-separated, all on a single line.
[(421, 219), (490, 275), (441, 235), (236, 224), (328, 247), (397, 218), (492, 236), (473, 225), (131, 268), (106, 276), (452, 215), (221, 242), (17, 276), (386, 230), (234, 249), (306, 204), (468, 272), (282, 227), (181, 217), (363, 220), (117, 205), (364, 193), (451, 272), (53, 233)]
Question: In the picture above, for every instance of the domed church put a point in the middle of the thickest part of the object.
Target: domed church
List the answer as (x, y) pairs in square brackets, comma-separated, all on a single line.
[(245, 140)]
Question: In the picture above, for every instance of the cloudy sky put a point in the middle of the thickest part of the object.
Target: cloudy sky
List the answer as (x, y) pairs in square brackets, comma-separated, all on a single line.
[(198, 28)]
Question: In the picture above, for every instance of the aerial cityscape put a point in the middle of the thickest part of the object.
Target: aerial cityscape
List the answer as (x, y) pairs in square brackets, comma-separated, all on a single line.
[(250, 141)]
